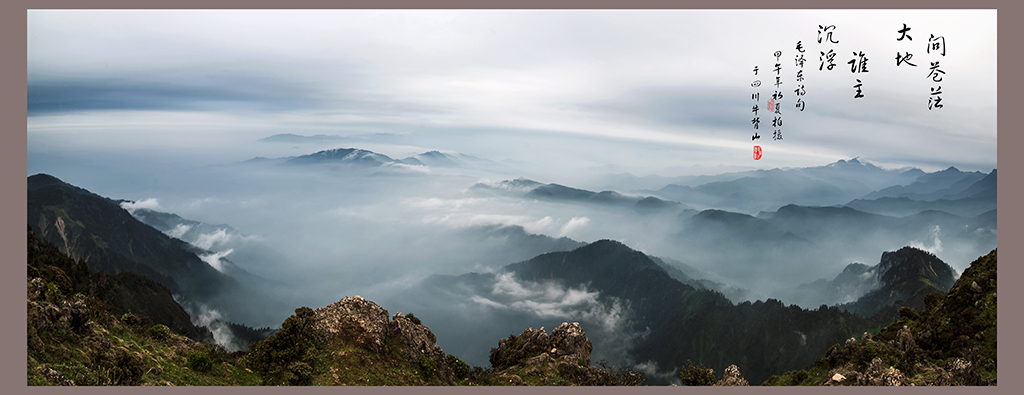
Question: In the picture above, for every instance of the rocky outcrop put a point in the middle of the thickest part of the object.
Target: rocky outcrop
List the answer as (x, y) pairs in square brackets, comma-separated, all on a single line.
[(567, 342), (536, 357), (353, 318), (368, 325), (54, 377), (732, 377)]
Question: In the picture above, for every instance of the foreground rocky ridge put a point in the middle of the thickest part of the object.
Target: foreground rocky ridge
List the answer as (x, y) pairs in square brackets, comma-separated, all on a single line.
[(74, 341)]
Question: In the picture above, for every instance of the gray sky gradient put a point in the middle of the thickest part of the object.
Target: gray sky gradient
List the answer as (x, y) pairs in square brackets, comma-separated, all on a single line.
[(604, 86)]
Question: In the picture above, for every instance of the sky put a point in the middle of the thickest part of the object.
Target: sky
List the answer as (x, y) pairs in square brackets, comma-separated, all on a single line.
[(646, 92)]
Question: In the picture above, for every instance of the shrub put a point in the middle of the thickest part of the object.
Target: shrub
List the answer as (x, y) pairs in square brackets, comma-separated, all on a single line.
[(289, 355), (130, 319), (160, 332), (414, 319), (428, 368), (200, 361), (459, 368), (696, 375)]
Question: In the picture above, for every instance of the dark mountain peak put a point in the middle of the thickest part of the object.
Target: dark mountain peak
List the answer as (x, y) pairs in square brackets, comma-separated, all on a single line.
[(344, 155), (433, 154), (951, 169), (43, 180), (560, 191), (719, 214), (909, 263), (606, 265), (854, 163), (607, 245), (855, 268)]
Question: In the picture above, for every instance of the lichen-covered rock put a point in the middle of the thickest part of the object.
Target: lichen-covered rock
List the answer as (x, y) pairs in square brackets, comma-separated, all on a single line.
[(570, 341), (732, 377), (567, 342), (55, 377), (419, 340), (514, 350), (36, 289), (905, 341), (541, 359), (354, 318), (878, 375), (511, 379)]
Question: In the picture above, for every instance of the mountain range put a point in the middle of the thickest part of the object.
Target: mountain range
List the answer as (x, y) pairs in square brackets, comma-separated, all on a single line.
[(656, 313), (529, 189)]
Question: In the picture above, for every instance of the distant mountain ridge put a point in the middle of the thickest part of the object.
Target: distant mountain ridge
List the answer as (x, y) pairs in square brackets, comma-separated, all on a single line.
[(530, 189), (361, 158), (932, 186)]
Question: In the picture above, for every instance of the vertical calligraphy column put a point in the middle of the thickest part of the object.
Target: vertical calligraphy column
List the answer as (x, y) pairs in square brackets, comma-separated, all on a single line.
[(938, 46), (774, 104), (756, 97), (800, 91), (903, 60), (827, 59)]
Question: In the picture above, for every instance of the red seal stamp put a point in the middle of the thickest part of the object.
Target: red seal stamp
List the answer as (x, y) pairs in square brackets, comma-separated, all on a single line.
[(757, 152)]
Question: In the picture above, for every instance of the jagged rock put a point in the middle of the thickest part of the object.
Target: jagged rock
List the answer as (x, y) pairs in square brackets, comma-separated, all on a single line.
[(541, 359), (905, 341), (851, 342), (355, 318), (866, 338), (513, 350), (419, 340), (36, 289), (511, 379), (732, 377), (55, 377), (892, 377), (72, 315), (962, 372), (835, 380), (367, 325), (569, 340), (876, 375)]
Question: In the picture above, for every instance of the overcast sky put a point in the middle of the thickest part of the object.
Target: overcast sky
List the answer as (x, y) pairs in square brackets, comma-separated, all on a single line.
[(641, 91)]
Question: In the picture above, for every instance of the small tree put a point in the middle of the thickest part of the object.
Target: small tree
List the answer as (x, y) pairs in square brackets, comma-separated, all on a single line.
[(697, 375), (289, 355)]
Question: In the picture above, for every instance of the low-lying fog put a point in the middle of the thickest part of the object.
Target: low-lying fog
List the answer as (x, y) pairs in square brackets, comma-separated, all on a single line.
[(317, 233)]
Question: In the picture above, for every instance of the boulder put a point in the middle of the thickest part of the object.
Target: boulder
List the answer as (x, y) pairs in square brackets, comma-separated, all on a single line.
[(570, 341), (732, 377), (354, 318)]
